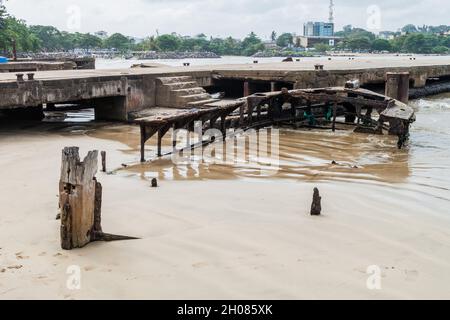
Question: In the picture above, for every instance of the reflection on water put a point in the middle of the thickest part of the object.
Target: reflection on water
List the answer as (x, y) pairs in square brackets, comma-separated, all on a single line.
[(83, 115), (307, 155)]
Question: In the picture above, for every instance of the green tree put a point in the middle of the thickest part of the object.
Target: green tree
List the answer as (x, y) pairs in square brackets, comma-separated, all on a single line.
[(348, 28), (251, 44), (168, 42), (88, 41), (285, 40), (322, 47), (3, 38), (198, 43), (231, 46), (67, 41), (119, 42), (415, 43), (358, 43), (440, 50), (381, 45), (217, 46), (409, 28), (149, 44), (49, 36), (398, 43), (445, 41), (15, 30), (2, 17)]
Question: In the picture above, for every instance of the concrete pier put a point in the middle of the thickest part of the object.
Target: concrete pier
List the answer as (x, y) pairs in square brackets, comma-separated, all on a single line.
[(397, 86), (26, 66), (48, 64), (117, 93)]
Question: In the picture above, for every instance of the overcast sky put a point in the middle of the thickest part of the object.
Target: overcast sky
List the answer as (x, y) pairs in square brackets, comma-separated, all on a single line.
[(237, 18)]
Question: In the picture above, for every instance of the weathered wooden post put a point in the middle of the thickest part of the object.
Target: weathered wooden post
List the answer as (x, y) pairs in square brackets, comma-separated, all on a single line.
[(334, 116), (77, 189), (20, 77), (397, 86), (143, 139), (318, 67), (246, 89), (316, 207), (80, 201), (103, 153)]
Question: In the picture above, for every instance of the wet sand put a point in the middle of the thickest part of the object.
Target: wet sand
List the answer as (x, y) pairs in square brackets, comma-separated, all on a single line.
[(225, 232)]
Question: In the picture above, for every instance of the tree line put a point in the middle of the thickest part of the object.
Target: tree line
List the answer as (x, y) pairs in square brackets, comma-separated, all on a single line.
[(37, 38), (412, 39)]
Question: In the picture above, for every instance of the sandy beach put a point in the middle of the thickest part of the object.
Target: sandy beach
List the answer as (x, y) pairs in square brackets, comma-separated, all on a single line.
[(219, 232)]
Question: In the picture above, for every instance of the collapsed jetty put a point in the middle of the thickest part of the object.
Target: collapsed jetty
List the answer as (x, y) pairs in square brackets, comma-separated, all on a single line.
[(366, 111)]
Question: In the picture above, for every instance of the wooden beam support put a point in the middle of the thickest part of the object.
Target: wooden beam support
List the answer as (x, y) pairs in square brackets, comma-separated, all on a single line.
[(143, 134), (147, 131), (161, 132), (223, 127), (334, 116)]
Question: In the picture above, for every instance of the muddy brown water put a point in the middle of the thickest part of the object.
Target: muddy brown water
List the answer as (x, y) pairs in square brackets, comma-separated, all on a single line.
[(305, 155), (309, 154)]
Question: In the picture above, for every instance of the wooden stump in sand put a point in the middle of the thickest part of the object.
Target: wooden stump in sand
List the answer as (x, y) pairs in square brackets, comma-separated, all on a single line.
[(316, 207), (80, 201)]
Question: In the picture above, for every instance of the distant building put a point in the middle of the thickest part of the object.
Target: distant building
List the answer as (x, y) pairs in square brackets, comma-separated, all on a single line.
[(308, 29), (318, 29)]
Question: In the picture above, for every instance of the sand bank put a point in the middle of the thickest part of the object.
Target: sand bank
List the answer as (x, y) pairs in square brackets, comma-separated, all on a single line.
[(239, 238)]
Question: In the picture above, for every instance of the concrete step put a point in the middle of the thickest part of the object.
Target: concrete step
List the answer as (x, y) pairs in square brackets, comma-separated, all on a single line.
[(188, 91), (201, 102), (182, 85), (169, 80), (192, 97)]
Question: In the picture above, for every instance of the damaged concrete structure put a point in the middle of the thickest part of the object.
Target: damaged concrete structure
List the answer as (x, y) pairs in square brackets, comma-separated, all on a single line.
[(120, 94)]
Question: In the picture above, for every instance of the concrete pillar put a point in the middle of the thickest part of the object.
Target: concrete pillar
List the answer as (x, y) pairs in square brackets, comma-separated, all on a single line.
[(420, 81), (397, 86), (246, 89)]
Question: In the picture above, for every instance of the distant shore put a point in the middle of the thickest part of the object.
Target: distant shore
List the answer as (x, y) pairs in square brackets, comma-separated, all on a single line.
[(174, 55), (179, 55)]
